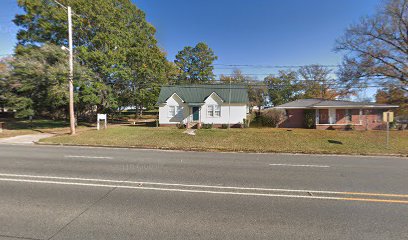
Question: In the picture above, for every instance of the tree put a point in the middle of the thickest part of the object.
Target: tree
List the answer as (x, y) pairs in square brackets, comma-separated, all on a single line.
[(4, 74), (196, 64), (283, 87), (111, 38), (317, 82), (256, 91), (377, 46), (395, 96), (37, 84), (256, 94), (236, 77)]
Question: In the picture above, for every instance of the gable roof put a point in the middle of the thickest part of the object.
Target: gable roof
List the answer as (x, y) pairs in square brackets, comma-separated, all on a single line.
[(198, 93), (321, 103)]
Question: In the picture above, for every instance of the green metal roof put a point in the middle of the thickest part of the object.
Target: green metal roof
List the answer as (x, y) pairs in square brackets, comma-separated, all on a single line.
[(198, 93)]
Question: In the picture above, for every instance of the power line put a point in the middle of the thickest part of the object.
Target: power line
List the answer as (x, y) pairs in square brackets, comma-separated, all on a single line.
[(272, 66)]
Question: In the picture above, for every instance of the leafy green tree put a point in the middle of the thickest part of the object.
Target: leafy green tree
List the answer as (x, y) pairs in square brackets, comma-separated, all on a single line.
[(111, 38), (196, 64), (283, 87), (38, 83), (4, 73)]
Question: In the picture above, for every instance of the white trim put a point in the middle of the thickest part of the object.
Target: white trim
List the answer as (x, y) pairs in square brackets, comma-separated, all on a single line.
[(173, 95), (222, 100)]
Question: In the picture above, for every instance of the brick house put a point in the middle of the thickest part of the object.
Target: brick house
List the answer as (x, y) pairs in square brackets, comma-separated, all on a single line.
[(335, 114)]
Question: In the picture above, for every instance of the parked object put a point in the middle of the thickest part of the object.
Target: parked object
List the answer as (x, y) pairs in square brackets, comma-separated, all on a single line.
[(194, 105), (100, 118), (335, 114)]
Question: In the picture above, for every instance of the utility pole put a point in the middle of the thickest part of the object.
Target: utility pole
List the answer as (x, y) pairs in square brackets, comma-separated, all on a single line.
[(71, 69), (71, 75)]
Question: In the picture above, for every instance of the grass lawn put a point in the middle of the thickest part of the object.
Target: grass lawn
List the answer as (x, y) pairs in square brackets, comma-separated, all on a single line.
[(14, 127), (250, 139)]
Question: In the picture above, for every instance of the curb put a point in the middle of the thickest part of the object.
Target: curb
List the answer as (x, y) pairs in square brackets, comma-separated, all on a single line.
[(215, 150)]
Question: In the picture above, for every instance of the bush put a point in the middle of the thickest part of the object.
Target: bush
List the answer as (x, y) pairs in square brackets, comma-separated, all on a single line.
[(310, 118), (180, 125), (245, 123), (207, 126), (349, 127), (224, 126), (271, 118)]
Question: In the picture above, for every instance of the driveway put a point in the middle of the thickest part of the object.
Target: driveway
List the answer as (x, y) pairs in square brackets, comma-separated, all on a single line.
[(25, 139)]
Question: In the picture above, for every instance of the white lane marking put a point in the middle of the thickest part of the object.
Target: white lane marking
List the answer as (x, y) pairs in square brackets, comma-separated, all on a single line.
[(168, 189), (70, 156), (298, 165), (204, 186), (209, 192)]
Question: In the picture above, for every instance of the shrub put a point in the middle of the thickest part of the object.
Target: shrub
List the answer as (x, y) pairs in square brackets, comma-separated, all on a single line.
[(224, 126), (207, 126), (349, 127), (245, 123), (310, 118), (180, 125), (271, 118)]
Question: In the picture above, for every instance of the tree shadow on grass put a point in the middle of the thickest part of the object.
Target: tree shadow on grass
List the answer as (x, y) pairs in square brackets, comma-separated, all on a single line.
[(334, 142)]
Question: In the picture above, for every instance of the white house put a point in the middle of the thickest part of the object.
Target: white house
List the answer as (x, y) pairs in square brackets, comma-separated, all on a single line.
[(203, 104)]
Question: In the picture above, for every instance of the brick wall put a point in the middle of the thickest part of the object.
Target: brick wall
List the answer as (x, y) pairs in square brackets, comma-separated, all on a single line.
[(295, 118)]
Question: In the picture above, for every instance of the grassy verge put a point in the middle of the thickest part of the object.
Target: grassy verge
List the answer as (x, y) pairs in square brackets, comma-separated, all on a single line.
[(13, 127), (250, 140)]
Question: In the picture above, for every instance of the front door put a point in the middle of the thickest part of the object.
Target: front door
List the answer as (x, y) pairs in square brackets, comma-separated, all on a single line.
[(196, 113)]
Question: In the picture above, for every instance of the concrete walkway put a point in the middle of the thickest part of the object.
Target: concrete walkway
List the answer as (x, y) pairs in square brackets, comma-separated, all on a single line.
[(25, 139)]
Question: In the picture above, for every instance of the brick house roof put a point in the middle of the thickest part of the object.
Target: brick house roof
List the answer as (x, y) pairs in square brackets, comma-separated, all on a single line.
[(313, 103)]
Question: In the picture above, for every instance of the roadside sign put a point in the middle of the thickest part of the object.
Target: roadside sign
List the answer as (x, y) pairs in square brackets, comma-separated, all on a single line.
[(101, 117), (388, 117)]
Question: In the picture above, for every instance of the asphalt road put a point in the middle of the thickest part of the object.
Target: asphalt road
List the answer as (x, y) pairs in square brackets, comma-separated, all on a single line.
[(97, 193)]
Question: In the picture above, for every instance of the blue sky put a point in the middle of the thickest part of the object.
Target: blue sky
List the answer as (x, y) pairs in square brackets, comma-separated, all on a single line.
[(257, 32)]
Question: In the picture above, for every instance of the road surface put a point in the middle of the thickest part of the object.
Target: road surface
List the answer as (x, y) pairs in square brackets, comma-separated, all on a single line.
[(51, 192)]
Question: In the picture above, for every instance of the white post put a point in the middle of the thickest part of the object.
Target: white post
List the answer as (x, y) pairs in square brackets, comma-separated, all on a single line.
[(317, 117), (360, 116), (71, 75)]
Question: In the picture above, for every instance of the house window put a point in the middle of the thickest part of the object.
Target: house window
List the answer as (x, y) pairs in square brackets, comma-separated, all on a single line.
[(217, 110), (214, 111), (210, 111), (348, 115), (174, 111)]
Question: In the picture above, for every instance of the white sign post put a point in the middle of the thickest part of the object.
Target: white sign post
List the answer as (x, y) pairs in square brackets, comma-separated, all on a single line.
[(102, 117), (388, 117)]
